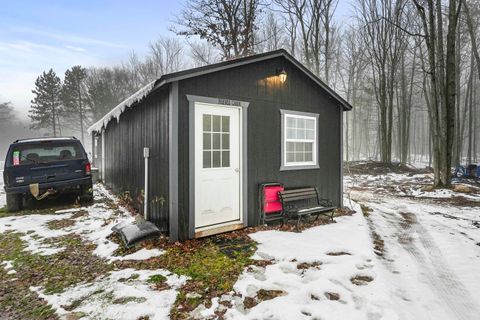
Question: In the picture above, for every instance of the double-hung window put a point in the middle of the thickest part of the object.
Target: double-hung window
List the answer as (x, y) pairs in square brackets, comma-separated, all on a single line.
[(299, 140)]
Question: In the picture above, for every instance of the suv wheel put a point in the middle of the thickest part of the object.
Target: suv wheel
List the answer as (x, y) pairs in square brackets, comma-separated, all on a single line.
[(14, 202), (87, 194)]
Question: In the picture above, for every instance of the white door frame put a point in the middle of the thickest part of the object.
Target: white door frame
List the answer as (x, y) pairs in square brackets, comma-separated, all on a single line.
[(243, 107)]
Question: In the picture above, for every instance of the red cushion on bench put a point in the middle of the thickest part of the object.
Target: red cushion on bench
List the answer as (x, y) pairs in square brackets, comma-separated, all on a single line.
[(271, 200)]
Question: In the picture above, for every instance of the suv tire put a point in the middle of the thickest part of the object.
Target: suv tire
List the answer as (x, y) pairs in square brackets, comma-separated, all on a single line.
[(14, 202), (87, 194)]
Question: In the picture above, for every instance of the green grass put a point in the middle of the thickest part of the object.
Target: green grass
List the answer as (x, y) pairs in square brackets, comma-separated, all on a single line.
[(53, 272), (157, 278), (212, 272)]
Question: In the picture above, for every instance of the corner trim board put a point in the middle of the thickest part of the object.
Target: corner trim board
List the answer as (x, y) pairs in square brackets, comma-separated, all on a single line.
[(173, 161), (341, 160)]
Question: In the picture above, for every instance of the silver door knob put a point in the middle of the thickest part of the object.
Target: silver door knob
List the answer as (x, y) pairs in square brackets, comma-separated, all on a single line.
[(237, 170)]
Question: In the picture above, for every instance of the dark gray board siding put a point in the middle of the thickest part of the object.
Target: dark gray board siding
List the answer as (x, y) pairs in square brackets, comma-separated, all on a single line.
[(143, 125), (257, 83)]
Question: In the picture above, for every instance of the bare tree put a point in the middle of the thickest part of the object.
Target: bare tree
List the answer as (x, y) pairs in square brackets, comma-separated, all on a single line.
[(273, 35), (202, 53), (227, 24), (384, 43), (442, 77)]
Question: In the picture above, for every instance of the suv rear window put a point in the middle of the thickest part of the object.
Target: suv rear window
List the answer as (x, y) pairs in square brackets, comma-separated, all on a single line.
[(45, 152)]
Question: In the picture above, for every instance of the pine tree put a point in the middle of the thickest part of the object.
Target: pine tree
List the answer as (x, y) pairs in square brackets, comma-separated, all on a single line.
[(101, 98), (75, 98), (6, 112), (46, 104)]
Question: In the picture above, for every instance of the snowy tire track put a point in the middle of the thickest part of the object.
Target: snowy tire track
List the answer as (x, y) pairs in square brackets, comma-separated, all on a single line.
[(414, 239)]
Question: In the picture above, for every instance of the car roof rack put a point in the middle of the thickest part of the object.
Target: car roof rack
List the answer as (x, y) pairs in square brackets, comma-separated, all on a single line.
[(44, 138)]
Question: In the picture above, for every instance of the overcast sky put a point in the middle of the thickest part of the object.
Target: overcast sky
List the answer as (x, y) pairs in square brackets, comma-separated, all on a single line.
[(36, 35)]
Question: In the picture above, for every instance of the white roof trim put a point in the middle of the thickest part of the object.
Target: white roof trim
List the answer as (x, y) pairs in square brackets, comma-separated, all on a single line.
[(121, 107)]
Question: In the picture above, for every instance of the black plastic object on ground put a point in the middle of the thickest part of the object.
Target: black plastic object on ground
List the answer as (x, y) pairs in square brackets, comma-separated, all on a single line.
[(133, 233)]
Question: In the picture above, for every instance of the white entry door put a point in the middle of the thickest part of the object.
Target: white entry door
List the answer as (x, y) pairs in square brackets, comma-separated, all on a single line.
[(217, 165)]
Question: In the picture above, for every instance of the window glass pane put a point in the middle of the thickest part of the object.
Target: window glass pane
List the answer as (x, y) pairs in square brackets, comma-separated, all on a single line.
[(290, 146), (308, 156), (310, 124), (298, 146), (299, 157), (207, 141), (207, 122), (301, 134), (216, 159), (216, 123), (290, 122), (225, 124), (310, 134), (301, 123), (290, 157), (291, 134), (225, 158), (216, 140), (225, 141), (308, 147), (207, 159)]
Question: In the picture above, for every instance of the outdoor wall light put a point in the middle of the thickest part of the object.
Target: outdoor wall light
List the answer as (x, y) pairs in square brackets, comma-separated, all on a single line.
[(282, 74)]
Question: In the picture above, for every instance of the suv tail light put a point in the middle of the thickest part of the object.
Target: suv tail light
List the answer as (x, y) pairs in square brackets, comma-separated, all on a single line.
[(88, 168)]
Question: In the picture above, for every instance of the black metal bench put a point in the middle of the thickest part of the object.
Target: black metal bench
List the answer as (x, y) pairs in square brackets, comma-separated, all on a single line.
[(301, 202)]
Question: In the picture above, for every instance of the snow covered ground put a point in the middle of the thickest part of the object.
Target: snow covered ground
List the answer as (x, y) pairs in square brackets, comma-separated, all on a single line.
[(314, 266), (431, 247), (421, 252)]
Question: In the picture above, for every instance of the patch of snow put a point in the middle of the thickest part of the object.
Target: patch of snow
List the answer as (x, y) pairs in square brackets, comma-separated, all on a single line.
[(143, 254), (34, 231), (71, 210), (124, 294), (211, 311), (121, 107), (8, 266)]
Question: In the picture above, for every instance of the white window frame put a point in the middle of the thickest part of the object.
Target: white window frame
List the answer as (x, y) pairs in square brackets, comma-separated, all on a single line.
[(285, 114)]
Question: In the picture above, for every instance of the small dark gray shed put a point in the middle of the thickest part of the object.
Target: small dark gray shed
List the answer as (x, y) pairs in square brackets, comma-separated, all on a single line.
[(216, 133)]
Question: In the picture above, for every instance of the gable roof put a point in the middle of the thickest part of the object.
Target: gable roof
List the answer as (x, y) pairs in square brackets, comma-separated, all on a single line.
[(190, 73)]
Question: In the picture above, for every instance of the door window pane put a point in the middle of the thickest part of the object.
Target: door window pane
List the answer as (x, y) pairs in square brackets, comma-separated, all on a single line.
[(225, 124), (216, 163), (207, 159), (216, 141), (207, 122), (216, 121), (225, 141), (225, 159), (207, 141)]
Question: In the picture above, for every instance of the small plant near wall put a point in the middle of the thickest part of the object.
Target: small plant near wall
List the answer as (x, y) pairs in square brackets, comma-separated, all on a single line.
[(159, 199), (141, 197), (127, 201), (155, 199)]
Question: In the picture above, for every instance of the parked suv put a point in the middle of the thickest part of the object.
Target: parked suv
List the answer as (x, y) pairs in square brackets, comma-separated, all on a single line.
[(44, 167)]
